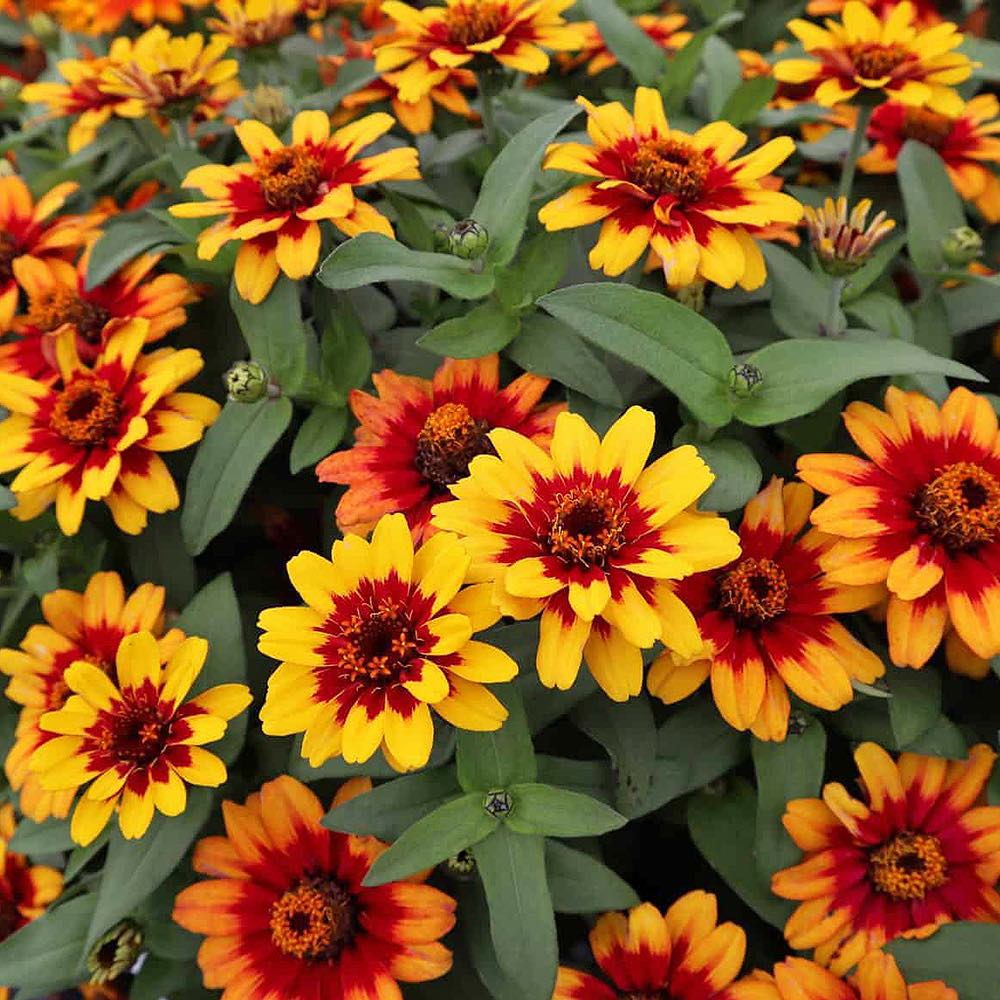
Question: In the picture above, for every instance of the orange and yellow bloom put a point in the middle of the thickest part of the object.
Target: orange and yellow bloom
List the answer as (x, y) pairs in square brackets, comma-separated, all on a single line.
[(915, 851), (767, 620), (246, 24), (274, 203), (920, 512), (284, 911), (926, 11), (136, 744), (586, 535), (682, 195)]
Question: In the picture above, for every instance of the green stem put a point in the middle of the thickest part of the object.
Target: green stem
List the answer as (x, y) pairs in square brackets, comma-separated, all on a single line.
[(832, 327), (181, 135), (489, 118), (853, 152)]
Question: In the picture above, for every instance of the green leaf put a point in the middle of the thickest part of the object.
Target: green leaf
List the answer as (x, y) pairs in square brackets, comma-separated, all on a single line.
[(159, 978), (678, 347), (345, 351), (748, 100), (388, 810), (372, 257), (352, 76), (54, 941), (82, 856), (522, 922), (799, 297), (972, 307), (411, 226), (965, 955), (35, 839), (737, 471), (505, 194), (449, 829), (985, 52), (135, 868), (479, 944), (942, 739), (539, 265), (484, 329), (630, 45), (7, 498), (224, 466), (915, 704), (933, 206), (274, 332), (870, 272), (579, 883), (488, 761), (799, 375), (548, 811), (883, 313), (159, 556), (124, 237), (683, 67), (319, 435), (792, 769)]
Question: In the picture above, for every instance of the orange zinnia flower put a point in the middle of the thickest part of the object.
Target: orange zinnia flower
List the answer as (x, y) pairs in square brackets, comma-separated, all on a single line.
[(914, 852), (245, 24)]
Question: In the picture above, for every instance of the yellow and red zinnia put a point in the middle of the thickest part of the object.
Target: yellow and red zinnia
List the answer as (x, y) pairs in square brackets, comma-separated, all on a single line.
[(767, 620), (915, 851), (920, 512), (136, 744), (683, 195), (274, 203), (285, 914), (587, 536)]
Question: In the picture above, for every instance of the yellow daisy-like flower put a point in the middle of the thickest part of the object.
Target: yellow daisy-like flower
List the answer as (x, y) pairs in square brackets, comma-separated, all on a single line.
[(386, 636), (863, 52), (588, 536), (683, 195), (137, 743), (275, 202), (246, 24)]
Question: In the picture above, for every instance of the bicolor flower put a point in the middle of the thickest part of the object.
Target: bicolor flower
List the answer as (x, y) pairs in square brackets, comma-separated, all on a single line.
[(921, 512), (586, 535), (915, 851), (767, 621), (136, 744), (416, 438), (246, 24), (926, 11), (285, 914), (682, 195), (274, 203)]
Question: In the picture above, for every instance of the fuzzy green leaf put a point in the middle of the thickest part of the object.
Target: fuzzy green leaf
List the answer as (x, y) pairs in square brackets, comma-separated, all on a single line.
[(497, 760), (579, 883), (548, 811), (318, 436), (484, 329)]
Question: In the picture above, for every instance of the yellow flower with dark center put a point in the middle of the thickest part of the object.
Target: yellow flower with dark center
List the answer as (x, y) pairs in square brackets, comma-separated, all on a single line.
[(136, 744), (245, 24)]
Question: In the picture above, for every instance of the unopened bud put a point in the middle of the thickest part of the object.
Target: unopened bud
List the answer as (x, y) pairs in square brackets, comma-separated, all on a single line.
[(468, 239), (692, 295), (745, 379), (115, 952), (498, 803), (442, 237), (844, 241), (461, 866), (246, 382), (962, 246), (267, 104)]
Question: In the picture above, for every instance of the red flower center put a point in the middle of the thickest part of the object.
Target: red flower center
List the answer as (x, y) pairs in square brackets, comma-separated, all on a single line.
[(471, 23), (665, 166), (450, 438), (754, 592), (587, 526), (873, 61), (927, 126), (313, 920), (289, 177), (59, 305), (87, 411), (377, 642), (137, 733), (960, 507), (8, 251), (908, 866)]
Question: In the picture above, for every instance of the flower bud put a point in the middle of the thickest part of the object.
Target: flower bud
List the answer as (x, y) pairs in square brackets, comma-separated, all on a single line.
[(498, 803), (246, 382), (468, 239), (461, 866), (442, 237), (115, 952), (744, 380), (843, 243), (692, 295), (962, 246), (267, 104)]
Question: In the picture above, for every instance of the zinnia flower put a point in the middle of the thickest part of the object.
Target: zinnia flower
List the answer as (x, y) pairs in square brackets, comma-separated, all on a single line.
[(96, 436), (416, 438), (136, 744), (925, 11), (767, 620), (913, 853), (87, 626), (664, 29), (245, 24), (101, 17), (921, 512), (890, 54), (683, 953), (683, 195), (586, 535), (273, 204), (386, 636), (285, 913), (876, 978), (967, 142)]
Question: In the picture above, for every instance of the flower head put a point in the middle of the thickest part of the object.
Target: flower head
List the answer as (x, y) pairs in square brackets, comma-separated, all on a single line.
[(683, 195), (888, 54), (586, 535), (926, 13), (285, 913), (136, 744), (844, 243), (664, 29), (967, 142), (101, 17), (915, 851), (417, 437), (683, 953), (386, 636), (114, 952), (246, 24), (78, 626), (275, 202), (767, 621), (921, 512), (96, 435)]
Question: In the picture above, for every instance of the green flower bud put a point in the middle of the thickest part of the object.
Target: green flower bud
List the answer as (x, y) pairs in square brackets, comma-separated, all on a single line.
[(469, 239), (962, 246), (744, 380), (693, 295), (442, 237), (267, 104), (115, 952), (461, 866), (498, 803), (246, 382)]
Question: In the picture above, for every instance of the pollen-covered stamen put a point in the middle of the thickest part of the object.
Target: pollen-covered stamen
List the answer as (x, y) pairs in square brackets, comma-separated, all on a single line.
[(665, 166), (377, 642), (587, 526), (8, 251), (926, 126), (873, 61), (290, 177), (450, 438), (87, 411), (908, 866), (313, 920), (136, 733), (58, 305), (960, 507), (754, 592), (471, 22)]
